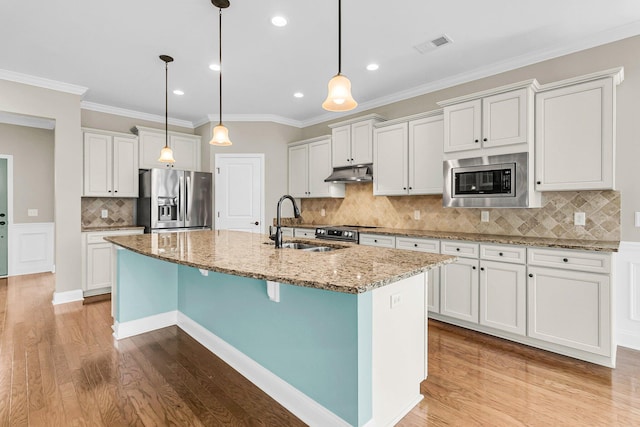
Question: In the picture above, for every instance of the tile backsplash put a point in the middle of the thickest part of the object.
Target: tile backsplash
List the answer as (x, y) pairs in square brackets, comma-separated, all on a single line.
[(120, 211), (554, 219)]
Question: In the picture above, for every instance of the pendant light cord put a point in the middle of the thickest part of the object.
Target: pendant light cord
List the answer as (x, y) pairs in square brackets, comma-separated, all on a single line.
[(166, 104), (339, 37), (220, 59)]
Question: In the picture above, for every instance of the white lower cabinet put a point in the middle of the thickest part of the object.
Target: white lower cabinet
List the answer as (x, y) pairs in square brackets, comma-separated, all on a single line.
[(98, 263), (503, 296), (459, 290), (570, 308), (309, 233), (433, 275), (380, 240)]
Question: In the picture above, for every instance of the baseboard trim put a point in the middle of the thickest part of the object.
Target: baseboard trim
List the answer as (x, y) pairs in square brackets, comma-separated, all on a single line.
[(301, 405), (629, 339), (146, 324), (67, 296), (404, 412)]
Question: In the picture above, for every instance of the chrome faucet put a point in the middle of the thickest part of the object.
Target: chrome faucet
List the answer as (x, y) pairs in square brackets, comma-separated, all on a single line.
[(296, 213)]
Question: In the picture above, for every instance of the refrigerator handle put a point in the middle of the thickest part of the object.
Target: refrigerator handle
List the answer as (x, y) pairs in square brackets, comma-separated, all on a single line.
[(180, 201), (187, 206)]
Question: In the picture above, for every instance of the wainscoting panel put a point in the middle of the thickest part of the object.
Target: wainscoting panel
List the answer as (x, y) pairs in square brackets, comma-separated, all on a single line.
[(31, 248), (627, 294)]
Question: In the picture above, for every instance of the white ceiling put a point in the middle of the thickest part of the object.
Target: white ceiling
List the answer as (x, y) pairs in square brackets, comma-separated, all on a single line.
[(112, 48)]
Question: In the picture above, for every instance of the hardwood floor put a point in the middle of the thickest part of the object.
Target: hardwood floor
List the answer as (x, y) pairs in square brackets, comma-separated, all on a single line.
[(59, 366)]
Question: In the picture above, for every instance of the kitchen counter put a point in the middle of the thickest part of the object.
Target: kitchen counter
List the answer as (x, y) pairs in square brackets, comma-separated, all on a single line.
[(545, 242), (111, 228), (349, 268)]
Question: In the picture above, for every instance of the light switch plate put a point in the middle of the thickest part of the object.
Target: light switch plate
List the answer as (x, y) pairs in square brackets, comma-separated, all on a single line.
[(104, 214), (32, 212), (323, 212), (579, 218), (416, 214), (396, 299), (484, 216), (637, 219)]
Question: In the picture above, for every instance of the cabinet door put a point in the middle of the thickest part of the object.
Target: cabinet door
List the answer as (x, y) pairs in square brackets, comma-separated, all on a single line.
[(504, 119), (97, 165), (426, 137), (151, 144), (362, 143), (319, 169), (380, 240), (575, 137), (125, 167), (390, 174), (298, 171), (309, 233), (503, 296), (186, 151), (459, 290), (341, 146), (462, 125), (99, 266), (570, 308), (433, 290)]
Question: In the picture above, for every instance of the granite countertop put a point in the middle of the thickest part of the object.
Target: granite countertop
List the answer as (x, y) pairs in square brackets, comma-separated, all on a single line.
[(545, 242), (349, 268), (112, 228)]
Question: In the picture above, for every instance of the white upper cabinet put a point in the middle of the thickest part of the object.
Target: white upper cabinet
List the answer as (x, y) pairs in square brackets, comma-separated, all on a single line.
[(352, 141), (408, 156), (110, 164), (186, 149), (488, 121), (575, 134), (309, 165)]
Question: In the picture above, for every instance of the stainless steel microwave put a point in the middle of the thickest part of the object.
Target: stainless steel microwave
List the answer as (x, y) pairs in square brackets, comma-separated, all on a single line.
[(490, 181)]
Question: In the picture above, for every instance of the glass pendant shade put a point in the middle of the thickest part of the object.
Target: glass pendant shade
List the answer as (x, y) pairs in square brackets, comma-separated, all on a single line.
[(166, 155), (339, 97), (220, 136)]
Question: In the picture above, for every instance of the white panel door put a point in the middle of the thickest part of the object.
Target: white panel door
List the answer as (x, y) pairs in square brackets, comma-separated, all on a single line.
[(390, 153), (299, 171), (319, 168), (239, 192), (186, 151), (99, 265), (459, 290), (462, 126), (426, 137), (341, 146), (98, 165), (361, 143), (503, 299), (504, 119), (125, 167)]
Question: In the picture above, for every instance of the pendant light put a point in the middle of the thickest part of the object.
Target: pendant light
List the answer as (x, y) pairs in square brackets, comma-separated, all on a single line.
[(339, 97), (166, 155), (220, 134)]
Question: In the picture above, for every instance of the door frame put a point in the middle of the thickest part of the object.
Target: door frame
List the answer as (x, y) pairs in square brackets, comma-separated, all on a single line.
[(259, 156), (9, 158)]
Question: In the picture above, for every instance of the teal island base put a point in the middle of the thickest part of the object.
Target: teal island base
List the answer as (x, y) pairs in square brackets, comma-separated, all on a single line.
[(331, 358)]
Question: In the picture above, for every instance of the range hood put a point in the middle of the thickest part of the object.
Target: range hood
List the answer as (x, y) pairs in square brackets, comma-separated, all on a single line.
[(360, 173)]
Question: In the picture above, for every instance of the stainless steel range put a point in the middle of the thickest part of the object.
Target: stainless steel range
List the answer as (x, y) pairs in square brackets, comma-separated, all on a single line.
[(344, 233)]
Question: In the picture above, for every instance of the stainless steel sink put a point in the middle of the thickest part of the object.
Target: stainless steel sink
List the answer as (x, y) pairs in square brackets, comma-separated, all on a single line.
[(306, 247)]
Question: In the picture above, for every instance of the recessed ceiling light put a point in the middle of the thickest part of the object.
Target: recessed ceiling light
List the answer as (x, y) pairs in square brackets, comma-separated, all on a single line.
[(298, 94), (214, 67), (372, 67), (279, 21), (178, 92)]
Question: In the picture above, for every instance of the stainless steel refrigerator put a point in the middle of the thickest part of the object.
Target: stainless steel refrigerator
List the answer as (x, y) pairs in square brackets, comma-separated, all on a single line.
[(171, 200)]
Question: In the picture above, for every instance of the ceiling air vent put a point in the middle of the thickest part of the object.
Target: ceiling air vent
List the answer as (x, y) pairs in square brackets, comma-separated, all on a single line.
[(432, 44)]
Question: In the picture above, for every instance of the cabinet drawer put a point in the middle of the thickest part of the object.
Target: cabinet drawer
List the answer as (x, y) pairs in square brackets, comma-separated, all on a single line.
[(462, 249), (305, 232), (513, 254), (378, 240), (98, 237), (570, 260), (420, 245)]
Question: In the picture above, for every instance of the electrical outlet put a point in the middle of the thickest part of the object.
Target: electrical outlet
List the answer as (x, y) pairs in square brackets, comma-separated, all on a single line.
[(484, 216), (396, 299), (637, 220), (32, 212), (579, 218), (323, 212), (416, 214), (104, 214)]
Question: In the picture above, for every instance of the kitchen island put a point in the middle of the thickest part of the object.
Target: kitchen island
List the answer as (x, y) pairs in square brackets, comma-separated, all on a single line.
[(337, 337)]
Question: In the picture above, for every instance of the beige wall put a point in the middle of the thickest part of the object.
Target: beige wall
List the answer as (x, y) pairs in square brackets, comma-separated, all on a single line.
[(32, 151), (115, 123), (254, 138), (64, 108), (623, 53)]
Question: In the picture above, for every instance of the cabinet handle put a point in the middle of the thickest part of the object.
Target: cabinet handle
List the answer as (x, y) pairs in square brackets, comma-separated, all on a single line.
[(565, 259), (415, 245), (474, 267), (109, 191), (477, 140), (2, 223), (410, 188), (481, 268), (404, 188), (538, 182), (485, 140), (115, 191), (255, 223), (352, 160), (375, 240), (500, 254), (458, 249), (530, 275)]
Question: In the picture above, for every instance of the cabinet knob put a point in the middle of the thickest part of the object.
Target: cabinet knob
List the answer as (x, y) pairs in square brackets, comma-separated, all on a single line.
[(458, 249), (109, 191), (530, 275), (415, 245), (1, 215), (256, 223), (404, 188), (538, 182), (500, 254), (352, 160), (375, 240), (477, 140), (485, 139), (474, 267), (410, 188), (2, 223), (565, 259), (481, 268), (115, 191)]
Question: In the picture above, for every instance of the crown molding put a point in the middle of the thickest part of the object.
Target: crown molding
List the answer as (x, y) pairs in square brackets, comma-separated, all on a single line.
[(27, 121), (101, 108), (214, 118), (26, 79)]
